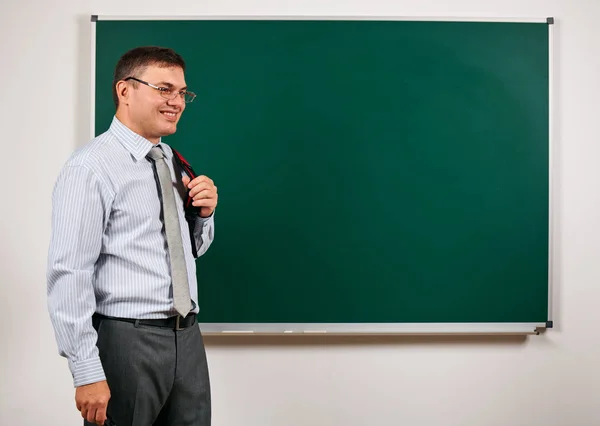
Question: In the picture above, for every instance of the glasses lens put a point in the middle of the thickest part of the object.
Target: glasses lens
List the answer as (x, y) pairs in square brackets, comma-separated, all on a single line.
[(168, 94), (189, 97)]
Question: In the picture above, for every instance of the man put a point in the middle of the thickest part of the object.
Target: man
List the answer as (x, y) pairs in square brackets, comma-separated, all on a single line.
[(122, 292)]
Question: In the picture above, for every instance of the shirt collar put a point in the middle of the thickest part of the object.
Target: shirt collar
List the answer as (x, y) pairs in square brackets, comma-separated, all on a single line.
[(138, 146)]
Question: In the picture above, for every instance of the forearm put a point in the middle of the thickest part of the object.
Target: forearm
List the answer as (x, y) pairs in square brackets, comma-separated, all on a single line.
[(79, 203), (204, 232), (71, 304)]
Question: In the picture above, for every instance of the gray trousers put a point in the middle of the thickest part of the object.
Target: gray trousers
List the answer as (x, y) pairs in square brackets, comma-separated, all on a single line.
[(157, 376)]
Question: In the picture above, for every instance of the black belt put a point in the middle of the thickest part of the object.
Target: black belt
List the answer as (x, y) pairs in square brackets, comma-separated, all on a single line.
[(176, 323)]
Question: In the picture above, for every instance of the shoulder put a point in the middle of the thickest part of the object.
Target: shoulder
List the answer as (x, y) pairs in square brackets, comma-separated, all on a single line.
[(94, 153), (92, 160)]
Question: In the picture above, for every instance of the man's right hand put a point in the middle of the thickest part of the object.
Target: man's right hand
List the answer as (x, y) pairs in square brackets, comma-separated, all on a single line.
[(92, 400)]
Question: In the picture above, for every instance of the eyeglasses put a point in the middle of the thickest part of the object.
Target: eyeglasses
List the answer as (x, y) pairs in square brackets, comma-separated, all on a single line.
[(167, 93)]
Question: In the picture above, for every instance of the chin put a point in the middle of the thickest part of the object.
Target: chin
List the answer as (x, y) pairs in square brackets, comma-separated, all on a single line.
[(169, 130)]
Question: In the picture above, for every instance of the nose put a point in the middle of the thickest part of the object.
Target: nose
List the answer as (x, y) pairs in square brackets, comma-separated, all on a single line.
[(177, 101)]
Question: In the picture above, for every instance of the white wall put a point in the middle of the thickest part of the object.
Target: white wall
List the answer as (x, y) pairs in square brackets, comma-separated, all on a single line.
[(550, 380)]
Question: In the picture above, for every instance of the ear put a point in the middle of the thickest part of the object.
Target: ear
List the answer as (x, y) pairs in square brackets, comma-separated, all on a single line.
[(123, 92)]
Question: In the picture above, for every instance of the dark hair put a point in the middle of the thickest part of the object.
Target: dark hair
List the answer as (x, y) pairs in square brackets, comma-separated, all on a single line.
[(134, 62)]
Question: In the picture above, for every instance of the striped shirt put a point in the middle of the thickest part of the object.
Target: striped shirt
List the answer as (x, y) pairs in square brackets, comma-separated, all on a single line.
[(108, 250)]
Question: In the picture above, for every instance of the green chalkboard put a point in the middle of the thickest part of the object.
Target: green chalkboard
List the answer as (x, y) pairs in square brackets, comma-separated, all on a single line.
[(369, 171)]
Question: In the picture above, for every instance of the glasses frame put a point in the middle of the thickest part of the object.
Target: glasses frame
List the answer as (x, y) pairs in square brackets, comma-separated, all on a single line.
[(164, 90)]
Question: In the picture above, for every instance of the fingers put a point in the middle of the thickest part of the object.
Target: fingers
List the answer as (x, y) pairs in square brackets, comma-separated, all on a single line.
[(200, 179), (185, 180), (94, 415), (206, 198), (206, 202), (203, 186), (101, 415), (90, 415), (205, 193)]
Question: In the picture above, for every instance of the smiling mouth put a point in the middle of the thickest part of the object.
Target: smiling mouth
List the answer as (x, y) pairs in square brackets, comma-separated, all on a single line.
[(171, 116)]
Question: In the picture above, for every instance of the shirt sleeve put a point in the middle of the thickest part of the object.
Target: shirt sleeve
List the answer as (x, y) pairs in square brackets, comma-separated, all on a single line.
[(80, 207), (204, 233)]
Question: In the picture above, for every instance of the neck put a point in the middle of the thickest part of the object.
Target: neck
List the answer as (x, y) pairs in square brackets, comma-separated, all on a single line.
[(124, 118)]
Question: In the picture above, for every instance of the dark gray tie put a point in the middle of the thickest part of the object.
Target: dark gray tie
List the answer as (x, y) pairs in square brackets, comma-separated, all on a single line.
[(181, 289)]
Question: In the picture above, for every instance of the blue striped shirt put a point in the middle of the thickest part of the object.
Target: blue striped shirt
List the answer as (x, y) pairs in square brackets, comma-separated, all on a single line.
[(108, 250)]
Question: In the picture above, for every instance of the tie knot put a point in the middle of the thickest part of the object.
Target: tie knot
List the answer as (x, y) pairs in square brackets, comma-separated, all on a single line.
[(156, 153)]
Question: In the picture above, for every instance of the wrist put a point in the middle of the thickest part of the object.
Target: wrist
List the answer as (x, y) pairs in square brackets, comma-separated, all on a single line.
[(87, 371)]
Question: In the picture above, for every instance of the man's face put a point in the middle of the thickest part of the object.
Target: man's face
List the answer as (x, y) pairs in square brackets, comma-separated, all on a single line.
[(153, 115)]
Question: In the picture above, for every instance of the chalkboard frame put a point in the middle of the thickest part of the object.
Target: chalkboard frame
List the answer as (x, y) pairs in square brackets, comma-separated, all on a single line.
[(534, 328)]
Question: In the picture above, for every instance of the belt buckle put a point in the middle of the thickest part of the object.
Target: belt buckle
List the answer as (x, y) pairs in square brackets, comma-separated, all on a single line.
[(177, 318)]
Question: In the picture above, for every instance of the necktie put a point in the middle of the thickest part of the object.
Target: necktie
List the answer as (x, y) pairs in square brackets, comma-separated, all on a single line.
[(181, 289)]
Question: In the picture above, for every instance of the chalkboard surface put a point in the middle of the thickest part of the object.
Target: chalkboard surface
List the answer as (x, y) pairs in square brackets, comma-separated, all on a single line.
[(369, 171)]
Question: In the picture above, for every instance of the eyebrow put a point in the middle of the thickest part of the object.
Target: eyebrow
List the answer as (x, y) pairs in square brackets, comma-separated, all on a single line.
[(170, 85)]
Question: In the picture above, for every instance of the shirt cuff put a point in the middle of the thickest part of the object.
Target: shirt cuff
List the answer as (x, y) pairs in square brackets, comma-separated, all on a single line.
[(204, 219), (87, 371)]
